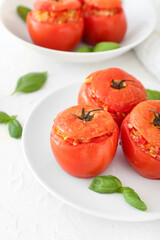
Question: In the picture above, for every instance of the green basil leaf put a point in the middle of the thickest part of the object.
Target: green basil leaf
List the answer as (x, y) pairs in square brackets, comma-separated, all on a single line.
[(4, 117), (84, 49), (105, 46), (153, 95), (133, 199), (13, 117), (106, 184), (31, 82), (23, 12), (15, 129)]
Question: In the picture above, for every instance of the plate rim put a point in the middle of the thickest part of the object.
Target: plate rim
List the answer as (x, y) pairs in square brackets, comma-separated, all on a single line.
[(152, 216)]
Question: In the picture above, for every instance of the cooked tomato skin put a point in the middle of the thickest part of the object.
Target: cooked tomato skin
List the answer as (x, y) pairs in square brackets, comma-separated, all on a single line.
[(142, 116), (142, 162), (117, 100), (105, 28), (84, 99), (52, 5), (104, 4), (64, 36), (84, 149), (86, 159)]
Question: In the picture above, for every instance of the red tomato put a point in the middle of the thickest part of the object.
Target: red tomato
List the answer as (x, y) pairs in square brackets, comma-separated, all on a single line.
[(98, 90), (84, 149), (47, 29), (53, 5), (104, 21), (140, 135), (104, 4)]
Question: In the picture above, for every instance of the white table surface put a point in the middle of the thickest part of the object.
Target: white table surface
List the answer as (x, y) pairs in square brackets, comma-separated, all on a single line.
[(27, 211)]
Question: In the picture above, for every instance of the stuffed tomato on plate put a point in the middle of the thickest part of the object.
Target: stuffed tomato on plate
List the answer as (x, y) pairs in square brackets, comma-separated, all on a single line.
[(56, 24), (105, 20), (114, 90), (84, 140), (140, 135)]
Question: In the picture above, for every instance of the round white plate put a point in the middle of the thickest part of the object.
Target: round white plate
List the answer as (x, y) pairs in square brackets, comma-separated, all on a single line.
[(74, 191), (140, 18)]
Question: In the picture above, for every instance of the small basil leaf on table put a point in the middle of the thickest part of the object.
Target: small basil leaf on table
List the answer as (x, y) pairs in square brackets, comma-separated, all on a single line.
[(106, 184), (31, 82), (4, 117), (105, 46), (23, 12), (133, 199), (84, 49), (153, 95), (15, 129)]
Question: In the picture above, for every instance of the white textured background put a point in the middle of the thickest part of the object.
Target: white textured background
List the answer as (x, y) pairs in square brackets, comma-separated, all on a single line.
[(27, 211), (149, 51)]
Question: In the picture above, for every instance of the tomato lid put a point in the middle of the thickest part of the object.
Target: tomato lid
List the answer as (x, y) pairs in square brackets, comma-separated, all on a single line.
[(73, 127), (53, 5), (105, 4), (117, 100), (142, 118)]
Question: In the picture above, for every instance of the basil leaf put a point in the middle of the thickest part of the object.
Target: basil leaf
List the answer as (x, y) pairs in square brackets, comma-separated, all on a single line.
[(105, 46), (133, 199), (106, 184), (23, 12), (153, 95), (15, 129), (84, 49), (13, 117), (4, 117), (31, 82)]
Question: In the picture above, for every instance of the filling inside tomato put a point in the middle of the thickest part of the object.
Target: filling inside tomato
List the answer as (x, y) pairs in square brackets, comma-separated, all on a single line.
[(143, 144), (94, 11), (57, 133), (57, 17)]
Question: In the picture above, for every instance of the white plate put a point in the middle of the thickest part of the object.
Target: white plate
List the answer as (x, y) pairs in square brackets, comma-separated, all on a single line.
[(74, 191), (140, 18)]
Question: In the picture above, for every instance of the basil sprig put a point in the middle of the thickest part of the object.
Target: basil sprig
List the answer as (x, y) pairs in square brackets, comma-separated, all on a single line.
[(105, 46), (153, 95), (106, 184), (31, 82), (23, 12), (133, 199), (4, 117), (100, 47), (14, 127), (111, 184), (84, 49)]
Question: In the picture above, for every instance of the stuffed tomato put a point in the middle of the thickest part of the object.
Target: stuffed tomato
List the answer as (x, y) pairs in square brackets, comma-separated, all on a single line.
[(104, 21), (56, 25), (84, 140), (140, 135), (114, 90)]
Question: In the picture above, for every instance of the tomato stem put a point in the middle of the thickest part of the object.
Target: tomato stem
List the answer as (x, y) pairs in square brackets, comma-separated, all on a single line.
[(86, 117), (120, 84), (156, 121)]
